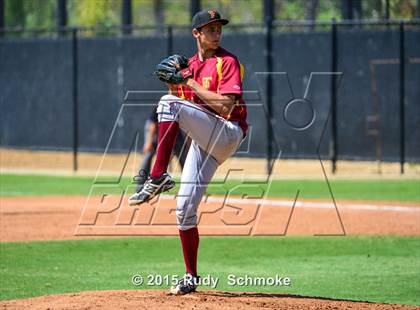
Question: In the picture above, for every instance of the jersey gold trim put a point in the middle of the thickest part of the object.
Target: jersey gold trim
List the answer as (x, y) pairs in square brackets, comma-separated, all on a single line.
[(219, 71)]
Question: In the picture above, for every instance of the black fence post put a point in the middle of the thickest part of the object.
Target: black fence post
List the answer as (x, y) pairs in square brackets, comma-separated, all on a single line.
[(75, 94), (333, 96), (268, 20), (61, 16), (387, 9), (126, 17), (169, 41), (347, 9), (402, 98), (195, 6), (418, 8), (2, 14)]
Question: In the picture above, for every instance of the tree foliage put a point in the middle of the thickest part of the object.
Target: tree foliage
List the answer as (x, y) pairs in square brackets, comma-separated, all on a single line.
[(41, 13), (94, 12), (30, 13)]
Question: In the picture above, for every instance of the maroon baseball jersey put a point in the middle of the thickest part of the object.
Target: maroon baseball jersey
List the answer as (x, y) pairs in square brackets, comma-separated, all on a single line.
[(222, 73)]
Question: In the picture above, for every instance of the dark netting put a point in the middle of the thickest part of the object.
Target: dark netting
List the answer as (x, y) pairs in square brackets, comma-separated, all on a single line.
[(412, 92), (36, 93), (368, 97), (301, 89), (36, 79), (109, 68)]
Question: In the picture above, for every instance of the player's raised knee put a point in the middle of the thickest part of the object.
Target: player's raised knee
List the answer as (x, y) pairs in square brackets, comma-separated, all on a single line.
[(167, 109), (166, 99)]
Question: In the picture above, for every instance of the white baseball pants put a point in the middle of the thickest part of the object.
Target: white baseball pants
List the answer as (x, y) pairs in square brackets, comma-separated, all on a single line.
[(214, 140)]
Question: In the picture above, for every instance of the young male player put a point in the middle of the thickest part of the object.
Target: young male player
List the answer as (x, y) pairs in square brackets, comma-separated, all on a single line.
[(207, 105)]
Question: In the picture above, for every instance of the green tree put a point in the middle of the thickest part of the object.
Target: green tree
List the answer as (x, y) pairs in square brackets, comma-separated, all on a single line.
[(143, 12), (94, 12), (329, 9), (40, 13), (15, 13), (30, 13), (237, 11), (403, 9), (177, 12)]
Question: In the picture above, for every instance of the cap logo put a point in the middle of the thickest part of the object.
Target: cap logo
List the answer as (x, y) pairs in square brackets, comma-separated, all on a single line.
[(212, 13)]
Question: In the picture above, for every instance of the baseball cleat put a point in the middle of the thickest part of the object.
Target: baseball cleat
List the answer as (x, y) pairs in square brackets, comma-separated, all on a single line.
[(187, 284), (151, 188), (140, 179)]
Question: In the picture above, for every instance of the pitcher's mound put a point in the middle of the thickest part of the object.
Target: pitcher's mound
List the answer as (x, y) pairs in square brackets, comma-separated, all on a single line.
[(158, 299)]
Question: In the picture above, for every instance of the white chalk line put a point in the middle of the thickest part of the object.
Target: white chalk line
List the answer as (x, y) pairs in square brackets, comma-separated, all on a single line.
[(308, 204), (299, 204)]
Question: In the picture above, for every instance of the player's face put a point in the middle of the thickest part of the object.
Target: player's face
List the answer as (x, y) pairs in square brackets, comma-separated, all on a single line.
[(210, 35)]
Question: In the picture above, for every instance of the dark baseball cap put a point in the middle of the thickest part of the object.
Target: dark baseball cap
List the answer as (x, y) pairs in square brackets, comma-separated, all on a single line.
[(205, 17)]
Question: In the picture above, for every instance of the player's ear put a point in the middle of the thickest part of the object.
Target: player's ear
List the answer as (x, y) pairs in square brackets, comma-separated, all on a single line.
[(195, 33)]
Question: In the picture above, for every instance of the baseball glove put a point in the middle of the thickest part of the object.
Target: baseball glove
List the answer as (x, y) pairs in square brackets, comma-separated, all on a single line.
[(173, 69)]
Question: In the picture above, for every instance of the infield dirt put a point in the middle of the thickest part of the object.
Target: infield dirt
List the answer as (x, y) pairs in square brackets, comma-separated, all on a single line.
[(55, 218), (158, 299)]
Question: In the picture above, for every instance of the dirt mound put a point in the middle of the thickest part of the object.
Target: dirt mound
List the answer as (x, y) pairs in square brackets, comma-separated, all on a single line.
[(158, 299)]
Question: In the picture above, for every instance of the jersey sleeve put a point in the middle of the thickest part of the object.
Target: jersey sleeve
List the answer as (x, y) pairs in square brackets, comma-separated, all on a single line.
[(230, 77)]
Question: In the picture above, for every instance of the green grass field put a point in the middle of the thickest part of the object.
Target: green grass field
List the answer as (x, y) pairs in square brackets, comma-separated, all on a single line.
[(390, 190), (377, 269)]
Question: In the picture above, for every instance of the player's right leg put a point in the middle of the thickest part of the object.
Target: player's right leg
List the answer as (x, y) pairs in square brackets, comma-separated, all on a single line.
[(146, 162), (168, 129), (182, 145), (216, 136)]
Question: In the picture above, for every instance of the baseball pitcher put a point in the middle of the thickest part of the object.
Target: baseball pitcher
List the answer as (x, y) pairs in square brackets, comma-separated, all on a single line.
[(205, 102)]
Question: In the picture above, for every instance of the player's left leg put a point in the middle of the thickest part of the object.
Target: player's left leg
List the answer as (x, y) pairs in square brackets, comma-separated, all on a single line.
[(198, 171)]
